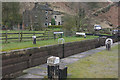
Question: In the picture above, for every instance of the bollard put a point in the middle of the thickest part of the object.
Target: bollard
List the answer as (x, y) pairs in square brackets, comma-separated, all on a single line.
[(34, 39), (53, 68), (108, 43), (62, 73), (55, 71)]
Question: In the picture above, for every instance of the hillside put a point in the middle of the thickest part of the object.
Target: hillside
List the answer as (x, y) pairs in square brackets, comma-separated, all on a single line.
[(108, 19), (111, 17), (26, 6), (65, 7), (71, 7)]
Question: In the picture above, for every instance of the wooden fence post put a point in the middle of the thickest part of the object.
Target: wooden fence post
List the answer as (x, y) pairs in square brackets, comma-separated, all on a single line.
[(48, 34), (43, 35), (21, 37), (6, 37)]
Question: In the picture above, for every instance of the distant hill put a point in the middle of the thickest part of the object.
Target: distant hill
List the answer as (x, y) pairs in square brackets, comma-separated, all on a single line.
[(70, 7), (109, 18), (26, 6)]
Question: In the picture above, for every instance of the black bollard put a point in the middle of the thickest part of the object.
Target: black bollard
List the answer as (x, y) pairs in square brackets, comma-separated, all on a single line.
[(34, 39), (53, 72), (108, 45), (53, 68)]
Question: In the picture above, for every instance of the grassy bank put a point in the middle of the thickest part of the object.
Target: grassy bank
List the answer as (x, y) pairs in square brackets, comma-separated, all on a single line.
[(21, 45), (101, 65), (25, 31)]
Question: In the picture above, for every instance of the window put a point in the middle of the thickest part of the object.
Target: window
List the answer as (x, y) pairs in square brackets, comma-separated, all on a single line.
[(46, 12), (46, 24), (55, 17), (58, 23), (46, 17)]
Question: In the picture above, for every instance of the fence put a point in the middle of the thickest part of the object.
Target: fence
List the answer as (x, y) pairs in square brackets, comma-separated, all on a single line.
[(25, 36)]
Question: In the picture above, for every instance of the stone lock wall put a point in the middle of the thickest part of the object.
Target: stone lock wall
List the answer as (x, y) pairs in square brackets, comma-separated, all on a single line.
[(15, 61)]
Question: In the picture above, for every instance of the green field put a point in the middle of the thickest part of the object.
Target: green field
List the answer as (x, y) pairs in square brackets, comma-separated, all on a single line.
[(100, 65), (21, 45), (15, 31), (47, 33)]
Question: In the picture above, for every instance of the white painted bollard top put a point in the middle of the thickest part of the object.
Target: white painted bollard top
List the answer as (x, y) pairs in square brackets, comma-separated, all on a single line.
[(109, 39), (33, 37), (53, 60)]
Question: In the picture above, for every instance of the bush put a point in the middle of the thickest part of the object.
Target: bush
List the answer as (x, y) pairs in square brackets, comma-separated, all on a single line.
[(55, 26), (27, 28), (53, 21)]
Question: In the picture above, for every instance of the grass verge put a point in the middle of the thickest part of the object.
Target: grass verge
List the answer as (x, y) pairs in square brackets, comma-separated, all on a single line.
[(101, 65), (22, 45)]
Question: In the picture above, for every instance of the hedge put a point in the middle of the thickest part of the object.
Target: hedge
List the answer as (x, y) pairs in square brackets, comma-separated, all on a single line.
[(55, 26)]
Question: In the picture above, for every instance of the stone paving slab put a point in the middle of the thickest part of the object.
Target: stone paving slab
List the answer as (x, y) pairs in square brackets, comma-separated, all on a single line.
[(44, 65), (41, 70), (69, 60), (31, 76), (37, 71), (78, 56)]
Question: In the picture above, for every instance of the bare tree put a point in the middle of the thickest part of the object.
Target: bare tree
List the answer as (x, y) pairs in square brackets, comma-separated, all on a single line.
[(80, 18), (10, 14)]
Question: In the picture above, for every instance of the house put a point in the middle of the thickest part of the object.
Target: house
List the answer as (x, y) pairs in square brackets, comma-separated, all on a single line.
[(39, 16), (57, 16)]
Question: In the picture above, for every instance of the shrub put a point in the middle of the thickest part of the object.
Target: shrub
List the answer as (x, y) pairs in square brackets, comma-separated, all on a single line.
[(55, 26), (53, 21)]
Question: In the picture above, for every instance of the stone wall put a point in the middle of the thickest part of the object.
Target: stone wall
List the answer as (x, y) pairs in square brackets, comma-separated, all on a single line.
[(15, 61)]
